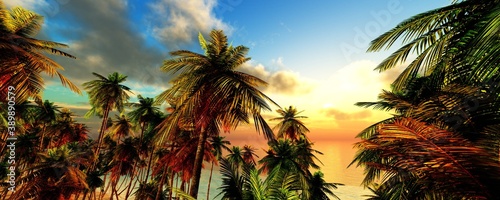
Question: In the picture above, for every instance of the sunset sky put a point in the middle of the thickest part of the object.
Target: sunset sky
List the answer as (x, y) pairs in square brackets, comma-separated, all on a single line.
[(313, 55)]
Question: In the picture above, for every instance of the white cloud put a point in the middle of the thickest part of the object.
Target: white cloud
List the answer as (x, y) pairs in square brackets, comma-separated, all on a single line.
[(283, 82), (185, 20)]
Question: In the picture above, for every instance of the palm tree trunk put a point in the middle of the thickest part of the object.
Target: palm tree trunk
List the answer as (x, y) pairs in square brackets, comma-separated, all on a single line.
[(209, 181), (131, 180), (160, 185), (42, 136), (103, 128), (198, 161), (150, 162)]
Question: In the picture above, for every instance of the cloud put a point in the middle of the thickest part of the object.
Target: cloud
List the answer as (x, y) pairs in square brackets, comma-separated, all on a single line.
[(103, 40), (289, 82), (284, 82), (341, 115), (185, 20)]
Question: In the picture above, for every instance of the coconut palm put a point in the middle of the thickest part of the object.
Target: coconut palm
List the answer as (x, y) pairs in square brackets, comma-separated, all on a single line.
[(454, 43), (283, 155), (416, 149), (106, 94), (57, 176), (235, 156), (147, 191), (211, 92), (248, 154), (290, 125), (245, 183), (144, 111), (125, 159), (46, 115), (447, 109), (218, 143), (22, 57), (320, 189), (121, 128), (305, 154), (148, 140)]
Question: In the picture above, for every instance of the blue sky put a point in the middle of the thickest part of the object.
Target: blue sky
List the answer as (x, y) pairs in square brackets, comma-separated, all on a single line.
[(313, 54)]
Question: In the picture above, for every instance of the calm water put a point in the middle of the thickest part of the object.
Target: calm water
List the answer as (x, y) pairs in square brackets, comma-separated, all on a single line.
[(336, 158)]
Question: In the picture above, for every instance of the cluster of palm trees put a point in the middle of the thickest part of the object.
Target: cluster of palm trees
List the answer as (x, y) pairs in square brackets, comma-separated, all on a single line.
[(443, 140), (286, 167), (141, 151)]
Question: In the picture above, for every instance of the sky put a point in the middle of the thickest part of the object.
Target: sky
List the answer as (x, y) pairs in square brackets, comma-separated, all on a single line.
[(312, 54)]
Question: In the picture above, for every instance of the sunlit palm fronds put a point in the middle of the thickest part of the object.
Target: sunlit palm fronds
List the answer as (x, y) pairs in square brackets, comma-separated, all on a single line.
[(290, 125), (21, 55), (432, 154), (442, 39)]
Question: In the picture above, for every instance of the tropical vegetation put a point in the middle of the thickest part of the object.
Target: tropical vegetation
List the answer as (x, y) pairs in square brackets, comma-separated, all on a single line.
[(442, 141)]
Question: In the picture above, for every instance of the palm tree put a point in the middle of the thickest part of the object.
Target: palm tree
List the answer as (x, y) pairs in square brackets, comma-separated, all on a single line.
[(235, 156), (305, 154), (249, 155), (213, 94), (447, 109), (147, 191), (22, 57), (218, 143), (121, 128), (144, 111), (125, 159), (290, 126), (455, 43), (246, 184), (46, 115), (283, 156), (320, 189), (421, 156), (232, 181), (104, 95), (57, 176)]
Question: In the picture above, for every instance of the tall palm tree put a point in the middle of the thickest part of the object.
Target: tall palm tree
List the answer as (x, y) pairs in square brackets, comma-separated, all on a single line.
[(218, 144), (290, 125), (235, 156), (106, 94), (125, 158), (46, 115), (144, 111), (122, 127), (22, 57), (213, 94)]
